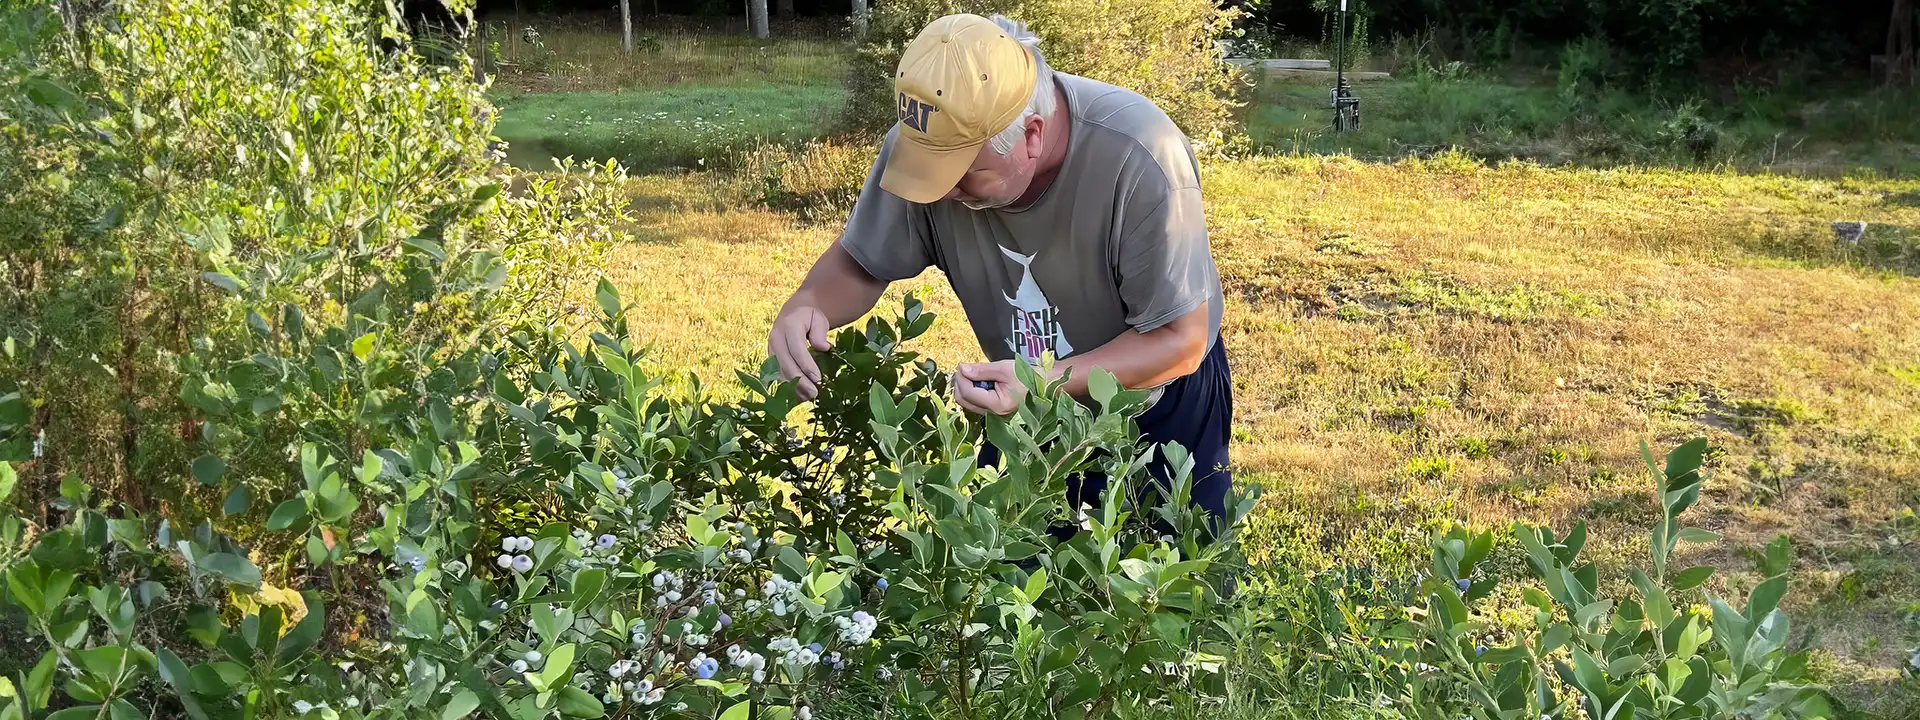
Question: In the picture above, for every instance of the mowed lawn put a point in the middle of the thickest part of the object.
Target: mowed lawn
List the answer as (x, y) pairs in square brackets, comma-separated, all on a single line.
[(1439, 339), (656, 129)]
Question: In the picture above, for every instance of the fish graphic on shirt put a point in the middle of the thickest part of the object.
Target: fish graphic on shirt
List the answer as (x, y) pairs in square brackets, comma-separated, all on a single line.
[(1034, 328)]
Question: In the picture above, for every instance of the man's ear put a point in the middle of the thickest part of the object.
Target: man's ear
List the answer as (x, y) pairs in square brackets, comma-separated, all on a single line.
[(1036, 127)]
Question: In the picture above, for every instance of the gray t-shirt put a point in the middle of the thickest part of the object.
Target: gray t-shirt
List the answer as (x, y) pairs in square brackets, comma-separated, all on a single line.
[(1117, 242)]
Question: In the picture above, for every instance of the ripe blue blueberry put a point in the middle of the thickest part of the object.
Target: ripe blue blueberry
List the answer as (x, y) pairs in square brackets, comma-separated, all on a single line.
[(983, 384), (1463, 584)]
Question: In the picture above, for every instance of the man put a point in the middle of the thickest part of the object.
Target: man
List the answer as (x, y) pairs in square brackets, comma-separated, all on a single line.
[(1066, 214)]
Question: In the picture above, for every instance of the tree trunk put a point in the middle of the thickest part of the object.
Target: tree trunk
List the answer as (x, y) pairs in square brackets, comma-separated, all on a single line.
[(1900, 51), (757, 18), (859, 18), (130, 490), (626, 26)]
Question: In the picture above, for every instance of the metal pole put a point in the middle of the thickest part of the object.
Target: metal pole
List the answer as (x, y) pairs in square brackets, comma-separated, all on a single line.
[(1340, 63)]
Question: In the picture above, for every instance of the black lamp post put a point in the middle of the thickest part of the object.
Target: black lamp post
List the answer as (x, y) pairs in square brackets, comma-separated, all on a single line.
[(1346, 107)]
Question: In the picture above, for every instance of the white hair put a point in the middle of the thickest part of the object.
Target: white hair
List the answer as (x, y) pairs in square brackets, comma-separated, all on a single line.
[(1041, 103)]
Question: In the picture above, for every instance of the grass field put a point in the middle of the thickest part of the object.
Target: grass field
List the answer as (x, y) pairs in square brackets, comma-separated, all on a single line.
[(648, 130), (1786, 131), (572, 90), (686, 97), (1438, 338)]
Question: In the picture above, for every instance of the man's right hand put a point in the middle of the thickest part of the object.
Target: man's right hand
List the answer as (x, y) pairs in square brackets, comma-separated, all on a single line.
[(797, 333)]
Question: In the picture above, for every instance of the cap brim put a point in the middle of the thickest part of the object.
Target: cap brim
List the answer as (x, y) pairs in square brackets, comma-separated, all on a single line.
[(922, 175)]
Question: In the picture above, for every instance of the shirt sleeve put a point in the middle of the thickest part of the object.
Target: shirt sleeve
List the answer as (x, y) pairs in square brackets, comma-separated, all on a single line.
[(889, 236), (1164, 266)]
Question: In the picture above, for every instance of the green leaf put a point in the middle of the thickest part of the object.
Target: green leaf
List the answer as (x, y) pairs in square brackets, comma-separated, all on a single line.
[(1478, 549), (363, 346), (287, 513), (881, 403), (1699, 682), (559, 666), (1765, 598), (8, 478), (120, 709), (232, 568), (1574, 542), (609, 298), (224, 281), (83, 712), (574, 702), (1621, 667), (369, 468), (739, 711), (29, 588), (1689, 640), (103, 662), (1585, 616), (1536, 598), (74, 489), (238, 500), (1731, 630), (1654, 600), (1696, 535), (175, 674), (305, 633), (1779, 557), (463, 702), (1555, 637), (262, 629), (52, 95), (1036, 585), (1683, 463), (1102, 386), (1502, 656), (586, 587), (1588, 676), (1691, 578)]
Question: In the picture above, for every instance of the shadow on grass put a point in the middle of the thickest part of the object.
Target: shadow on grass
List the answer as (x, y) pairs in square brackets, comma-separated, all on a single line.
[(1905, 199)]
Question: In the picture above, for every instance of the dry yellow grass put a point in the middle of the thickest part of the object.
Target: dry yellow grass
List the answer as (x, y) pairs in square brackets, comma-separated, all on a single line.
[(1438, 338)]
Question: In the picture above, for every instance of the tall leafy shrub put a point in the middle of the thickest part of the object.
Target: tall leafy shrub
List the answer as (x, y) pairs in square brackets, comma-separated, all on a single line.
[(181, 176), (1163, 49)]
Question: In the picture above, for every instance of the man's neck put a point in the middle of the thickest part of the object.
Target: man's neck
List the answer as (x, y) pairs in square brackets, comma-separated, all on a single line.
[(1056, 133)]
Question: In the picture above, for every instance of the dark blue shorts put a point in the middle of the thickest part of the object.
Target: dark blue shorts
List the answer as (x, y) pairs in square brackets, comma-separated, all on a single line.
[(1195, 411)]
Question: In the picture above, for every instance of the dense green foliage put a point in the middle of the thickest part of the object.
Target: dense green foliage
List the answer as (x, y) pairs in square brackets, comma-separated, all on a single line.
[(1163, 49), (173, 157)]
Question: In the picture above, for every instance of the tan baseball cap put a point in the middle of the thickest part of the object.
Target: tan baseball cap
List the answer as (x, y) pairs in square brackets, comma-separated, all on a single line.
[(960, 82)]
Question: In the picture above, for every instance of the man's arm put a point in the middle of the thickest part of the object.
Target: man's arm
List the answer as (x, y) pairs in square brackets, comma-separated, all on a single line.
[(1143, 360), (1136, 359), (837, 291)]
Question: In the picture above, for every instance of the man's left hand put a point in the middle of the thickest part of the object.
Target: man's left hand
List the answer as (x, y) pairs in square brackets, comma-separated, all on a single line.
[(1003, 399)]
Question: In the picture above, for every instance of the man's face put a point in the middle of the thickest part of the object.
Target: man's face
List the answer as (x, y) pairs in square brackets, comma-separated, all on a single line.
[(995, 180)]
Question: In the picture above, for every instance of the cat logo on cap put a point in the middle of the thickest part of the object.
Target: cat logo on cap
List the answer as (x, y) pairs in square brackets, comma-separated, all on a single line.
[(913, 113)]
